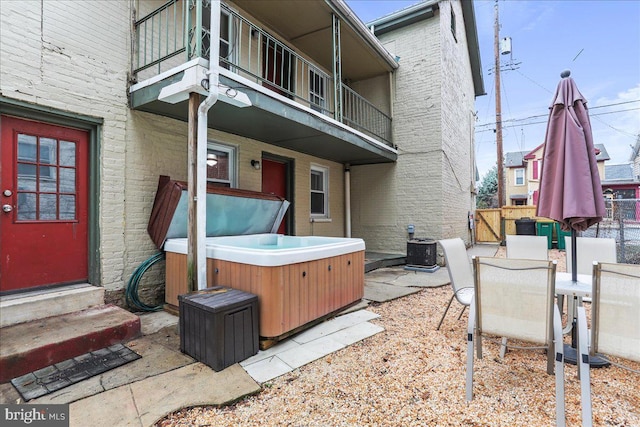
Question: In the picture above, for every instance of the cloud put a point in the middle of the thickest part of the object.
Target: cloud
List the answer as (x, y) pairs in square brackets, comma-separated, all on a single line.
[(616, 123)]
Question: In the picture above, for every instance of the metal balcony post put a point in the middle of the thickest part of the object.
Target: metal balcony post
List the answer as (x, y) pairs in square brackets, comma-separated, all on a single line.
[(193, 30), (337, 70)]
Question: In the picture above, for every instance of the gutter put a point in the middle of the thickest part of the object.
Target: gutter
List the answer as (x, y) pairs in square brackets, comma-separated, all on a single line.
[(201, 148)]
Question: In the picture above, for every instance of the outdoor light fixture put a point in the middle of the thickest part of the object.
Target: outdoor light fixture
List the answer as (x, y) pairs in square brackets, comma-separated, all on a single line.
[(255, 164), (212, 160)]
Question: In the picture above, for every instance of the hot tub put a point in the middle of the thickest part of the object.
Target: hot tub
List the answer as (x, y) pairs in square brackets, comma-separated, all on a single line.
[(299, 280)]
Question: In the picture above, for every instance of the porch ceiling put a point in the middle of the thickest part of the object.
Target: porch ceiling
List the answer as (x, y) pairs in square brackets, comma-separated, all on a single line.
[(308, 25), (274, 122)]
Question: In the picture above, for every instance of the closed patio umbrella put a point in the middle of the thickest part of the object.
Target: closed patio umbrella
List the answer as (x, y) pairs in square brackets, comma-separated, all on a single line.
[(570, 189)]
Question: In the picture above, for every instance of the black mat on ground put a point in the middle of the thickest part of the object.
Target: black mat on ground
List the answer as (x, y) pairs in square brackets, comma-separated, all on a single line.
[(52, 378)]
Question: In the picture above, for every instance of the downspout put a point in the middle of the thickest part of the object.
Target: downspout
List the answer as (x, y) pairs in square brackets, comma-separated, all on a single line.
[(347, 200), (201, 149)]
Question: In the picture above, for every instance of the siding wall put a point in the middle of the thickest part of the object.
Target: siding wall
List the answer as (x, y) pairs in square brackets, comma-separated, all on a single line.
[(58, 55)]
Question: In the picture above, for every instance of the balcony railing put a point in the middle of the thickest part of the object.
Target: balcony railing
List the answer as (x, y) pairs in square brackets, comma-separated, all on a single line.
[(167, 37), (360, 114)]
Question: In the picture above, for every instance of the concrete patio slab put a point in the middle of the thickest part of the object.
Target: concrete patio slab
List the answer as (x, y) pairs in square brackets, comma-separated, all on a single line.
[(267, 369), (357, 333), (311, 351), (334, 325), (144, 402), (381, 292), (418, 279)]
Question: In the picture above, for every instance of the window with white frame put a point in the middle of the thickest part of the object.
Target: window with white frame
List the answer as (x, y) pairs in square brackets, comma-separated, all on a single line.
[(226, 53), (319, 192), (317, 90), (221, 165), (519, 176)]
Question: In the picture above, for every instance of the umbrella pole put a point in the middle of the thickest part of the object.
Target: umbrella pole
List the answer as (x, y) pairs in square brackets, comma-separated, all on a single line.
[(574, 256), (574, 279), (570, 351)]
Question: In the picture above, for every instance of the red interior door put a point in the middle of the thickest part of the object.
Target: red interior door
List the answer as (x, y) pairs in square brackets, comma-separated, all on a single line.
[(274, 180), (44, 218)]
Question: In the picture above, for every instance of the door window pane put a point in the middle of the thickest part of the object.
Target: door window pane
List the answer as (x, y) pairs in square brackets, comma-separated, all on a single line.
[(26, 206), (48, 150), (48, 207), (67, 180), (26, 177), (48, 179), (67, 153), (27, 148), (67, 207)]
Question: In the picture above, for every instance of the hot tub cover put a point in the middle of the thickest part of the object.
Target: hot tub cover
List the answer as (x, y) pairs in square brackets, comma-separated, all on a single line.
[(230, 211)]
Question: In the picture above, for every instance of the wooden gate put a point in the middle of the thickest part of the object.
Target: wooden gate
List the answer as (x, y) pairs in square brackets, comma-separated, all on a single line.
[(488, 225), (488, 221)]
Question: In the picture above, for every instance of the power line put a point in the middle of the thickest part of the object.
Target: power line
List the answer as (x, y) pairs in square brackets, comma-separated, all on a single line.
[(537, 123), (590, 109)]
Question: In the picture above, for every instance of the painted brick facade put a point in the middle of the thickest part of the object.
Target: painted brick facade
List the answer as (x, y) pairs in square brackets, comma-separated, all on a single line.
[(431, 184)]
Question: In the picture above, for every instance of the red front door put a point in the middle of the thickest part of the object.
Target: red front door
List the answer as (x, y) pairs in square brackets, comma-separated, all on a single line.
[(44, 218), (274, 180)]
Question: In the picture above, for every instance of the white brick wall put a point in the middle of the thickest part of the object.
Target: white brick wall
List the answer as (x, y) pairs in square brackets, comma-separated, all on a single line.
[(430, 185), (57, 54)]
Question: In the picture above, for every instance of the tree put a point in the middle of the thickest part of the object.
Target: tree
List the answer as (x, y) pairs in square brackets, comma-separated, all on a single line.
[(488, 191)]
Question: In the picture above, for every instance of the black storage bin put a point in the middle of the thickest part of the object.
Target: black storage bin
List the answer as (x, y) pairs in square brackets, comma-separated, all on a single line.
[(526, 227), (421, 252), (219, 326)]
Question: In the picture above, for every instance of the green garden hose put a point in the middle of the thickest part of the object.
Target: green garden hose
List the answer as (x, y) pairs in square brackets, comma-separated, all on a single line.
[(131, 292)]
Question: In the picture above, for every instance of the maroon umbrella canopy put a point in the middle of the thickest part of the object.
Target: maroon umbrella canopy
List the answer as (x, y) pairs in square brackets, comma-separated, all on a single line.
[(570, 188)]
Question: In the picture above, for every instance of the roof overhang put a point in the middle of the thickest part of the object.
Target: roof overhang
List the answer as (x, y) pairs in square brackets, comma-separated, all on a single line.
[(426, 10), (308, 25), (519, 196)]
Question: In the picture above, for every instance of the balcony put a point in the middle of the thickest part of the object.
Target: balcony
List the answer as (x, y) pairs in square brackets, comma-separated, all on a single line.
[(308, 85)]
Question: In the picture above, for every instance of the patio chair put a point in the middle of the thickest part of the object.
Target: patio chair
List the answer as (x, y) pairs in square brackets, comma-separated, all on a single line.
[(460, 273), (514, 298), (615, 323), (527, 247), (524, 247), (590, 249)]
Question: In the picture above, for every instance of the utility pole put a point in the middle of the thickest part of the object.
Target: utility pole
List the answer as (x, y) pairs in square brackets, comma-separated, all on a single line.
[(501, 201)]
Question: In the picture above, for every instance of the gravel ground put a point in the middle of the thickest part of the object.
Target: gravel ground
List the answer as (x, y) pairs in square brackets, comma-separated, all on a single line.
[(413, 375)]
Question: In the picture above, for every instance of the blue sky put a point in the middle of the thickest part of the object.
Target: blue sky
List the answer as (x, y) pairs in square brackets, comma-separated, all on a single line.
[(599, 41)]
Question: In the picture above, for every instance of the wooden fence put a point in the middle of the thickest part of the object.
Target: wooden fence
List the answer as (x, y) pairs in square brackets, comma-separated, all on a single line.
[(493, 224)]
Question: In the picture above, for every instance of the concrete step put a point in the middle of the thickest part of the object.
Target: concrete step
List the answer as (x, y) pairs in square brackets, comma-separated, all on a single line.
[(33, 345), (40, 304)]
